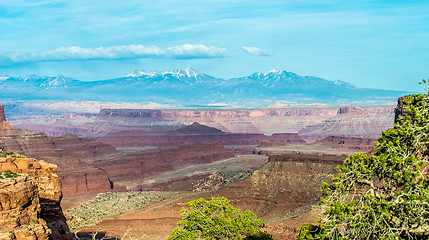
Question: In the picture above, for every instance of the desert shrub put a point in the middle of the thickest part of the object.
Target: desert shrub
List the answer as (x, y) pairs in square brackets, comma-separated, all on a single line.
[(215, 219), (385, 194), (8, 174), (5, 154)]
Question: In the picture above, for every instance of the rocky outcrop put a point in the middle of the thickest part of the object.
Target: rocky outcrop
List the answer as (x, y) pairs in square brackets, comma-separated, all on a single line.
[(400, 109), (30, 195), (351, 110), (283, 185)]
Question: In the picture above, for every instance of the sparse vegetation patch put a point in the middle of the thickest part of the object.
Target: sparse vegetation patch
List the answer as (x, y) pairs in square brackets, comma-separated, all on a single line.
[(109, 205), (8, 175)]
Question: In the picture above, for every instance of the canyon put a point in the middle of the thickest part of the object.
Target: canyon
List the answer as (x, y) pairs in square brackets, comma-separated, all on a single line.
[(310, 123), (201, 153), (284, 192), (134, 139)]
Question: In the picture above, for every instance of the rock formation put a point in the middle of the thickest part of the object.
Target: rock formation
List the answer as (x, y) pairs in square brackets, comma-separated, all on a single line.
[(194, 133), (356, 143), (65, 151), (400, 109), (2, 114), (30, 195), (351, 121), (130, 169), (284, 184), (265, 121)]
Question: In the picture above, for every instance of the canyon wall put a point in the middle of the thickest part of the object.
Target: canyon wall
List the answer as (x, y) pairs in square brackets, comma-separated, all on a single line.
[(66, 151), (350, 121), (194, 133), (2, 114), (130, 169), (356, 143), (30, 200), (283, 185)]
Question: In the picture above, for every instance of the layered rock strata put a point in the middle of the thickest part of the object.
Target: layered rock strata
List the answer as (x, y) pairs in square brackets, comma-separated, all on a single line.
[(195, 133), (128, 169), (252, 121), (30, 195), (2, 114), (358, 144), (283, 185), (65, 152)]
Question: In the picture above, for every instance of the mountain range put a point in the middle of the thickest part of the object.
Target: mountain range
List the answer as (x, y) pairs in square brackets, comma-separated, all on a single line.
[(188, 87)]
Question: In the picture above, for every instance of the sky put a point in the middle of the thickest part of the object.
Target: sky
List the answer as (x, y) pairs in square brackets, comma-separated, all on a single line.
[(368, 43)]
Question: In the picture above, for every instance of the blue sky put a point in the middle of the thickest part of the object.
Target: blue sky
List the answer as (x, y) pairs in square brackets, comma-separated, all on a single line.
[(374, 44)]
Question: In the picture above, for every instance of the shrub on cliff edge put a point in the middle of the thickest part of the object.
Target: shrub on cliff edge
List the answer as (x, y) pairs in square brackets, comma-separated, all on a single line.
[(383, 195)]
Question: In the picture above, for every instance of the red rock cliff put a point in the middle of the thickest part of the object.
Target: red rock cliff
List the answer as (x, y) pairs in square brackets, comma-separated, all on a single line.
[(284, 184), (66, 152), (30, 195)]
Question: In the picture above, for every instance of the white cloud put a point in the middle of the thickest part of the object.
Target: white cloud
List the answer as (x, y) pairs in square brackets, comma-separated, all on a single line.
[(256, 51), (185, 51), (197, 51)]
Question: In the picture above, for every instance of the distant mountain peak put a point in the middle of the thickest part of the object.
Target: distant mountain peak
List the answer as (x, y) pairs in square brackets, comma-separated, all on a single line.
[(140, 73), (4, 78), (58, 82), (186, 72), (186, 75)]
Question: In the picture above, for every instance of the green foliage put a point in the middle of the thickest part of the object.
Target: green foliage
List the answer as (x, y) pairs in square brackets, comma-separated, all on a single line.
[(385, 194), (215, 219), (8, 174), (259, 236), (12, 154), (5, 154), (309, 231)]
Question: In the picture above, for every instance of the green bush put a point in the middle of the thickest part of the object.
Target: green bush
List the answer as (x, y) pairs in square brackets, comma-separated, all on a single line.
[(385, 194), (215, 219)]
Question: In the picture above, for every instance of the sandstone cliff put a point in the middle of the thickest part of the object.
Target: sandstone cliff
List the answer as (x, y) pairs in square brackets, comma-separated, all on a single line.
[(30, 195)]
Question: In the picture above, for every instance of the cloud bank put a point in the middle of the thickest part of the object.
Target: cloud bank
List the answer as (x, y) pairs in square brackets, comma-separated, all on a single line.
[(254, 51), (185, 51)]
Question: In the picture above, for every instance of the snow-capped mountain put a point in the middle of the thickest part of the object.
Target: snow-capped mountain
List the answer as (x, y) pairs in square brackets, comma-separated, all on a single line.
[(34, 81), (188, 86), (183, 76)]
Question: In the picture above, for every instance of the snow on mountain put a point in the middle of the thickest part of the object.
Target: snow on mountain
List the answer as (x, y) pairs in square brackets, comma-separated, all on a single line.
[(58, 82), (188, 86), (140, 73), (187, 76)]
